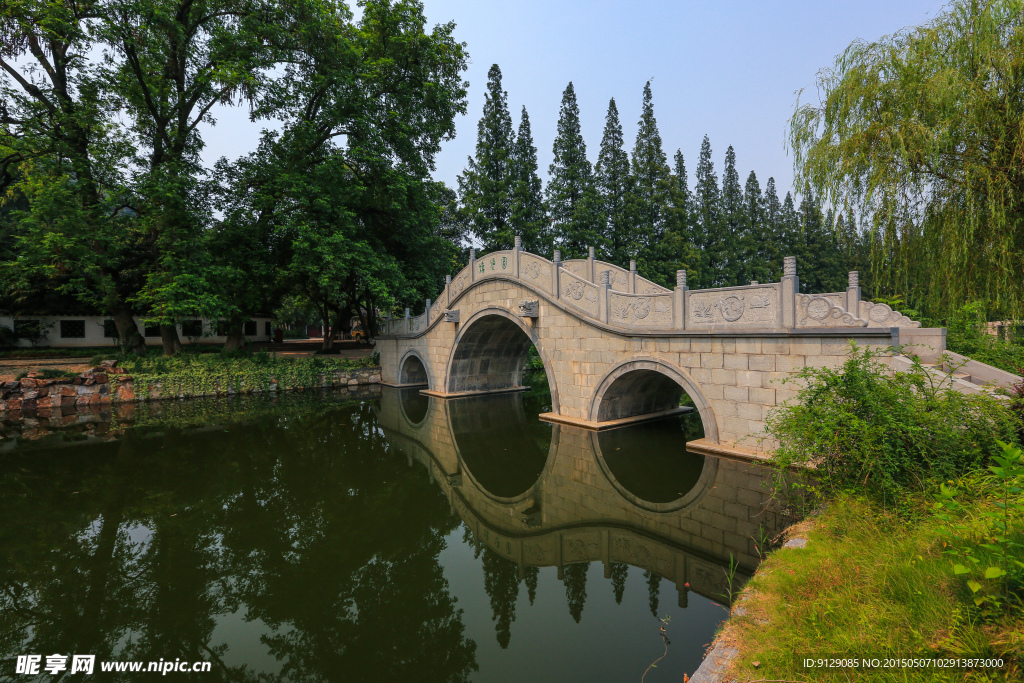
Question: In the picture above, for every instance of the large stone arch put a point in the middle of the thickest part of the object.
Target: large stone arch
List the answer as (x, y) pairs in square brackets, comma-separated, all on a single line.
[(414, 371), (494, 335), (646, 385)]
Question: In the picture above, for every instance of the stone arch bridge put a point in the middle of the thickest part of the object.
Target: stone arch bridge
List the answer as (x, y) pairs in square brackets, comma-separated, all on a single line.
[(618, 348)]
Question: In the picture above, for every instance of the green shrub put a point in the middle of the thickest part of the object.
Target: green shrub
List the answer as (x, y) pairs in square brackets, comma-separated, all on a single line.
[(865, 428), (968, 336)]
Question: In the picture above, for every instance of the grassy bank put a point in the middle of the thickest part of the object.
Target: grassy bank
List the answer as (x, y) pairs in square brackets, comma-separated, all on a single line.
[(873, 583), (918, 546), (202, 374)]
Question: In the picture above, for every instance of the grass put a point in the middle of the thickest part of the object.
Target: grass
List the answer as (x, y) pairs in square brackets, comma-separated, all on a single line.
[(870, 584), (51, 353), (193, 374)]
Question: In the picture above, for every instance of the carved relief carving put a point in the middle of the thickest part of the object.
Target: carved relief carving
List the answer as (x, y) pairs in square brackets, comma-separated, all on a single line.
[(576, 549), (451, 316), (536, 271), (578, 268), (752, 306), (529, 308), (882, 315), (817, 311), (641, 311)]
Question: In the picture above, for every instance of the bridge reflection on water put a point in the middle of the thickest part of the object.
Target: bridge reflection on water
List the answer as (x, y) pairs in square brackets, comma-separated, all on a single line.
[(543, 495)]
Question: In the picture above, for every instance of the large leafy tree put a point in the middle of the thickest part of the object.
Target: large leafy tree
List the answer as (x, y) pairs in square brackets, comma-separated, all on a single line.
[(106, 152), (707, 218), (487, 184), (920, 132)]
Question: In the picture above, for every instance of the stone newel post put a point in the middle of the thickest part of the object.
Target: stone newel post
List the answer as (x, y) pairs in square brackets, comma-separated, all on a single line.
[(448, 290), (679, 296), (516, 251), (790, 287), (604, 287), (853, 294), (590, 264), (427, 311), (408, 323), (556, 267), (631, 285), (472, 265)]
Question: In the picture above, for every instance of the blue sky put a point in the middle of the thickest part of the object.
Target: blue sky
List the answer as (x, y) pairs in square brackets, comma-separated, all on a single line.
[(727, 69)]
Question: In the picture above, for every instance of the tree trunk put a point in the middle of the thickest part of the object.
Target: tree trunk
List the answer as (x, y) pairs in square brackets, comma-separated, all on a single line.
[(169, 336), (128, 332), (235, 339)]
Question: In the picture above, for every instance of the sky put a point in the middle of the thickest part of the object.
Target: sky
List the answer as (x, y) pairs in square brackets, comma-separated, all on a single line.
[(727, 69)]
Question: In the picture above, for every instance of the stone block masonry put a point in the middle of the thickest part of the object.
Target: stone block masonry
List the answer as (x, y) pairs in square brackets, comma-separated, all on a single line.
[(605, 347)]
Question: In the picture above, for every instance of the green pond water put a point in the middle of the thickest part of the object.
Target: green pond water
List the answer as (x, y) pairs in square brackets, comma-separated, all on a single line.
[(371, 536)]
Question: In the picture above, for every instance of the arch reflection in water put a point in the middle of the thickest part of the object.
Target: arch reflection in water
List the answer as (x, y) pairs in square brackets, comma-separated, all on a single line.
[(502, 447), (414, 405), (577, 506), (648, 462)]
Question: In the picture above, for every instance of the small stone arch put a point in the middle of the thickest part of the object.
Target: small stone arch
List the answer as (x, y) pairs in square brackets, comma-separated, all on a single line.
[(647, 385), (465, 371), (413, 370)]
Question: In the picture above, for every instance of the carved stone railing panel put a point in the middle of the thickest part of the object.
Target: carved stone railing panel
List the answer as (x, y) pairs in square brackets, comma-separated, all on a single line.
[(617, 276), (494, 264), (882, 315), (577, 267), (640, 310), (419, 323), (645, 286), (837, 298), (437, 308), (580, 293), (752, 306), (460, 282), (536, 271), (814, 310)]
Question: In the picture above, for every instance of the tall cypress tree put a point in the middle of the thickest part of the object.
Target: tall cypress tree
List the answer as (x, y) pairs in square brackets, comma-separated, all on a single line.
[(707, 219), (775, 244), (615, 186), (676, 250), (734, 243), (485, 187), (758, 243), (650, 179), (529, 215), (572, 197)]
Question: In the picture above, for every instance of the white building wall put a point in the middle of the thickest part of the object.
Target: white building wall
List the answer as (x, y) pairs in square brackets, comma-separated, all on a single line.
[(94, 331)]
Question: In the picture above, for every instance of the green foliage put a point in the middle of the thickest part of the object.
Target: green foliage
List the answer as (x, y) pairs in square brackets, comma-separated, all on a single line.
[(487, 184), (529, 213), (650, 181), (920, 133), (986, 535), (968, 335), (190, 374), (615, 185), (866, 430), (573, 199)]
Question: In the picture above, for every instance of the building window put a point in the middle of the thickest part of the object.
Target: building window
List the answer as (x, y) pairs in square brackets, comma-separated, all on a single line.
[(250, 328), (72, 329), (110, 329), (152, 330), (192, 328), (266, 328), (223, 328)]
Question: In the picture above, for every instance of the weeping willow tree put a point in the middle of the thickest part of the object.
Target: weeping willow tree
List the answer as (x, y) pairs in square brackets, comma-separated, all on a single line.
[(922, 133)]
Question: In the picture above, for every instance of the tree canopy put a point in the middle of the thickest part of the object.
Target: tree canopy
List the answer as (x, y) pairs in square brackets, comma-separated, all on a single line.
[(920, 133)]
